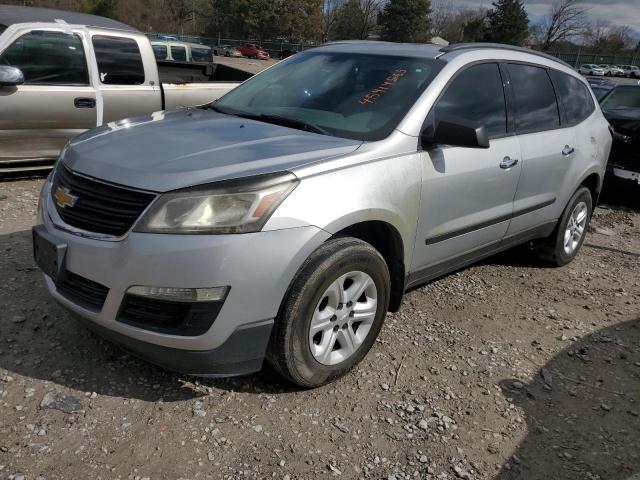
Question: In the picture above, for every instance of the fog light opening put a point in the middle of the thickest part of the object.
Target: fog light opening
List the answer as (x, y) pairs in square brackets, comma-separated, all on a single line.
[(212, 294)]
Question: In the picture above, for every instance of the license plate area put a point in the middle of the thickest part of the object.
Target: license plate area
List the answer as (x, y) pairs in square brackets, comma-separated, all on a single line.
[(48, 253)]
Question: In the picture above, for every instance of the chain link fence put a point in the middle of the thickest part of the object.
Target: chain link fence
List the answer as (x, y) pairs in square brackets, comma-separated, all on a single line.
[(271, 47), (275, 47), (578, 58)]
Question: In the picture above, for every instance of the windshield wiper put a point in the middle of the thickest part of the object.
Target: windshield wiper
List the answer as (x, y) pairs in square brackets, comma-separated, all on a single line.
[(275, 119), (289, 122)]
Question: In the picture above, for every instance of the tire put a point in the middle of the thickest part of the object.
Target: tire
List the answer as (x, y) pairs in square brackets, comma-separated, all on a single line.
[(294, 350), (551, 250)]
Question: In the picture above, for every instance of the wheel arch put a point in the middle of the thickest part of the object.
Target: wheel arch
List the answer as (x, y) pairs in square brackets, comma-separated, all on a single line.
[(593, 182), (387, 240)]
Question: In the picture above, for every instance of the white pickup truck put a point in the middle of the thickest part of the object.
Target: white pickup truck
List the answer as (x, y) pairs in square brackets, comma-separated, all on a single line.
[(62, 73)]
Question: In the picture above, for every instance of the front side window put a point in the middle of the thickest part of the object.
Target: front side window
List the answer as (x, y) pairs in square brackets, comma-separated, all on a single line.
[(48, 58), (119, 60), (535, 104), (179, 53), (574, 95), (476, 95), (351, 95), (160, 51), (201, 55)]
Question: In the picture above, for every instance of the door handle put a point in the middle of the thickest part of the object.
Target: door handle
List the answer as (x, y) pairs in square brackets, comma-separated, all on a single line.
[(508, 162), (82, 102), (567, 150)]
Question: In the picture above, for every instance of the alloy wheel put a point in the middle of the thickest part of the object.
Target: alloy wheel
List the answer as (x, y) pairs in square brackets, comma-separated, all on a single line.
[(575, 227), (343, 318)]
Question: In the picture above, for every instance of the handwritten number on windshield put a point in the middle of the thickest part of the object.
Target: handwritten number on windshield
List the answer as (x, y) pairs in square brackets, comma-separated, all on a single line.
[(373, 95)]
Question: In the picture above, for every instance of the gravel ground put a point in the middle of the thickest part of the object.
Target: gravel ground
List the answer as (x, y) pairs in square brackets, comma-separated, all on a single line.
[(504, 370)]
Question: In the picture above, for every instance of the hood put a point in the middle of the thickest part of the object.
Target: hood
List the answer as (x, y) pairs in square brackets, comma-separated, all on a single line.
[(170, 150)]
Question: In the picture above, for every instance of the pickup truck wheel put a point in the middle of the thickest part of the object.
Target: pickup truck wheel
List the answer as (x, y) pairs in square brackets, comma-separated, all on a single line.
[(332, 313), (564, 243)]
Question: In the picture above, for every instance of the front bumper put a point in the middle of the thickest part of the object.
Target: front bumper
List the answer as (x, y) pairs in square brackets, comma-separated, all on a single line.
[(625, 174), (258, 267)]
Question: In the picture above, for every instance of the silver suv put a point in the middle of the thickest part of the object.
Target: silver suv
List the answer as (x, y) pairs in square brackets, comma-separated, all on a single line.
[(285, 219)]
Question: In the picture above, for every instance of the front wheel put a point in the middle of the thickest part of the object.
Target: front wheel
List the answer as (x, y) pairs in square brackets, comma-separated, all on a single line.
[(564, 243), (332, 313)]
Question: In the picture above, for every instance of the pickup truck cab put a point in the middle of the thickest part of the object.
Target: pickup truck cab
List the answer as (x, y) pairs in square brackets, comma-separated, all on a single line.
[(181, 51), (62, 73)]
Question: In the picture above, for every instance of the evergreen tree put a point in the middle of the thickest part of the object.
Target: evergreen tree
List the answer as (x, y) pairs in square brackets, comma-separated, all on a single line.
[(508, 22), (406, 21), (103, 8), (474, 30)]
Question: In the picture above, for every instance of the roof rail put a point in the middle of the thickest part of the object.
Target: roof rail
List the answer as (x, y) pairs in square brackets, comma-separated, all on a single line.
[(475, 46)]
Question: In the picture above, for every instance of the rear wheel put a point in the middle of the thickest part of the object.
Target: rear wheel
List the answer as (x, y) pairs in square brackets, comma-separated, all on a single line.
[(332, 314), (564, 243)]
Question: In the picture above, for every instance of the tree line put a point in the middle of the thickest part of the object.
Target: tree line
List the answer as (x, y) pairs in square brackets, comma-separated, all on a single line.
[(567, 24)]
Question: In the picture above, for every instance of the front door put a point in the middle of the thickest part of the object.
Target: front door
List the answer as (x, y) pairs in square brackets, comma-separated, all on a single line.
[(55, 103), (128, 88), (467, 193)]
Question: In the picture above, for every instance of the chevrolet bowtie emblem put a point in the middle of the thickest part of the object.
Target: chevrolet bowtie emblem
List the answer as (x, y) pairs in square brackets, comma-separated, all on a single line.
[(64, 198)]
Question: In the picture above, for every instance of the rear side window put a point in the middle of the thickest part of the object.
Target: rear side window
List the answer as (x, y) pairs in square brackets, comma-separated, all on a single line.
[(201, 55), (119, 60), (160, 51), (48, 58), (576, 100), (179, 53), (535, 104), (477, 95)]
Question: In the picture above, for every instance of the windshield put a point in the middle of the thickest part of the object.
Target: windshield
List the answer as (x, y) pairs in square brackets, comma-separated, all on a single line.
[(348, 95), (622, 98)]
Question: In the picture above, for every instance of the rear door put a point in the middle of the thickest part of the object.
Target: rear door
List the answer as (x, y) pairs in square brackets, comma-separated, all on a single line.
[(128, 80), (467, 193), (548, 147), (55, 103)]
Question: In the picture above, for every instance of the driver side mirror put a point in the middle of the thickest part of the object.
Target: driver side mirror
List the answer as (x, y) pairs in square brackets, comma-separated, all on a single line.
[(10, 76), (456, 132)]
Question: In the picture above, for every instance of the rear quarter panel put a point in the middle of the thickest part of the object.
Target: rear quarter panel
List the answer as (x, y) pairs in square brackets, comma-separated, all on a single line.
[(593, 144)]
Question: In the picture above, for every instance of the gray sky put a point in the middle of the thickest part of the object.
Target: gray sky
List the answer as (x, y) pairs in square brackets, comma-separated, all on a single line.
[(615, 12)]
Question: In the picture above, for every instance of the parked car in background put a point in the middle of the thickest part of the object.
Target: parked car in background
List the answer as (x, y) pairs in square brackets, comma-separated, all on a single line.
[(631, 71), (591, 69), (600, 86), (285, 219), (612, 70), (181, 51), (226, 51), (600, 90), (621, 107), (251, 50), (60, 79)]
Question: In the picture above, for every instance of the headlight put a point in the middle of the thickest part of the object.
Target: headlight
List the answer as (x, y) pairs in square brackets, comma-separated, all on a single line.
[(58, 161), (235, 206)]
